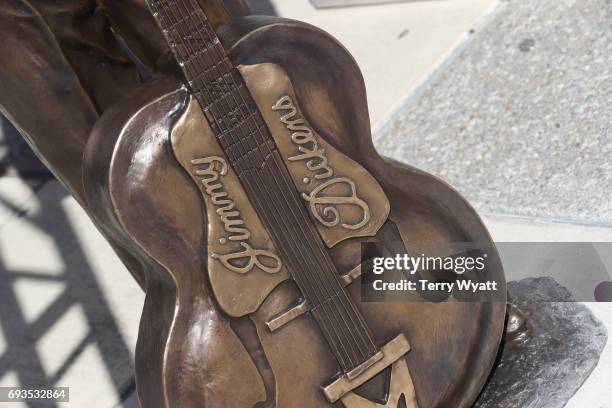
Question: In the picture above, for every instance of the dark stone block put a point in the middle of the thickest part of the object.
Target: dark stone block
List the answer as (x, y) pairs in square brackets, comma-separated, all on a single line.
[(564, 348)]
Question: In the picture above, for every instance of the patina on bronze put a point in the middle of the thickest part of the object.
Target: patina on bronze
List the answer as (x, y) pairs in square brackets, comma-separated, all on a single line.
[(306, 340)]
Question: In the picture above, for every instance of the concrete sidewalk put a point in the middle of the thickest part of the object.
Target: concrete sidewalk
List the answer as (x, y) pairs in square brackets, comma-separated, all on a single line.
[(69, 311), (519, 118)]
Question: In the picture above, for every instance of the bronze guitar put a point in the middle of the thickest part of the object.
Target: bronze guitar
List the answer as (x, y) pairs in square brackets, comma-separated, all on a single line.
[(246, 188)]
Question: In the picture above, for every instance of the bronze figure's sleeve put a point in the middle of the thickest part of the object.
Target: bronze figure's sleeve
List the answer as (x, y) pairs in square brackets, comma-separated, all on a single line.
[(63, 65)]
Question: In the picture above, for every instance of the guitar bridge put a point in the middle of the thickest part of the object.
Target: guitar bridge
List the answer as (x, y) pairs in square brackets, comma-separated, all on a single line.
[(401, 383)]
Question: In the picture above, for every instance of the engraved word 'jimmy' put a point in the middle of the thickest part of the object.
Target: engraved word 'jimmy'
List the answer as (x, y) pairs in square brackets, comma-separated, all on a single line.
[(210, 170)]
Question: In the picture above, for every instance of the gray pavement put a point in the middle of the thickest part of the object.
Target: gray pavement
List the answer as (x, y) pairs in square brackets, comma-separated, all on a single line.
[(69, 311), (396, 45), (519, 119)]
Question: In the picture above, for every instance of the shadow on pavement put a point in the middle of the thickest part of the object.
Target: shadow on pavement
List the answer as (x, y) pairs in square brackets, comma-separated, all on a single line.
[(26, 355)]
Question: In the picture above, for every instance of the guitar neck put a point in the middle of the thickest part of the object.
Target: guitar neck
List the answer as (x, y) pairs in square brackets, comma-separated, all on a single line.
[(208, 72), (247, 143)]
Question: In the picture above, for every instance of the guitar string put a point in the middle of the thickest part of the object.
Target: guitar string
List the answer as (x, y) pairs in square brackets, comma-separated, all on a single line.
[(299, 278), (334, 297), (241, 130), (251, 133), (218, 123), (285, 174), (245, 117), (249, 114), (234, 97), (244, 140)]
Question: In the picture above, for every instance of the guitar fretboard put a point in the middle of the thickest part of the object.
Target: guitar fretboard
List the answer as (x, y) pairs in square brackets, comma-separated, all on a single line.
[(210, 75), (247, 143)]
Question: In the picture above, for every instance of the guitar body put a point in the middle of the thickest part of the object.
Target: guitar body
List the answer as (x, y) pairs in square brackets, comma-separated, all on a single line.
[(205, 337)]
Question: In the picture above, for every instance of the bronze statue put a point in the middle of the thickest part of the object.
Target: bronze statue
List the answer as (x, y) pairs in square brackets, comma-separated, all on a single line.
[(239, 190)]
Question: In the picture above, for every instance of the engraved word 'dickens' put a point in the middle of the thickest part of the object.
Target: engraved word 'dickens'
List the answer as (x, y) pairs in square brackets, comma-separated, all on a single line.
[(323, 205), (210, 171)]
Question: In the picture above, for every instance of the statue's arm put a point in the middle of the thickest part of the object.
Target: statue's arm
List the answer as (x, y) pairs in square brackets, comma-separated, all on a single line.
[(62, 67)]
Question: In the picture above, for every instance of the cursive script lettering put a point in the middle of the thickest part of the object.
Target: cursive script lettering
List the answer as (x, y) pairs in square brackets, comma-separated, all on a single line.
[(323, 199), (303, 136), (209, 171), (253, 257), (328, 214)]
